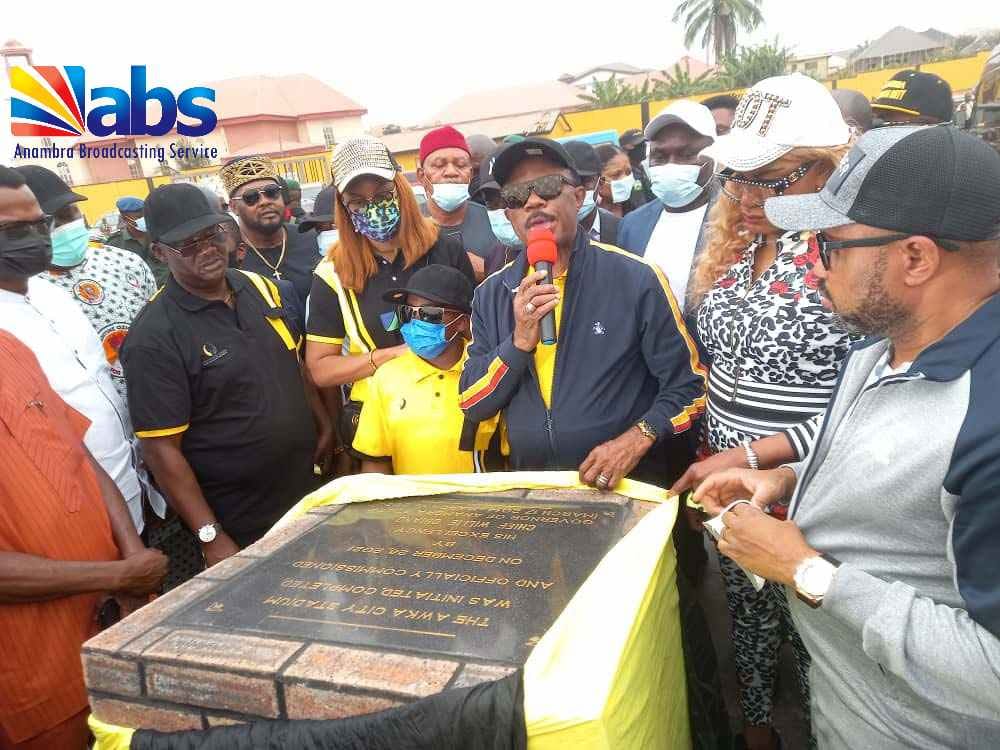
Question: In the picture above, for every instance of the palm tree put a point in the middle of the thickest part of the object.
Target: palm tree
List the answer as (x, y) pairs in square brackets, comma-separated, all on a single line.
[(717, 21)]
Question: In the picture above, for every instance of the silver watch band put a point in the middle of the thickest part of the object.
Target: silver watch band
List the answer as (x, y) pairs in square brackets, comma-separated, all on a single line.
[(752, 461)]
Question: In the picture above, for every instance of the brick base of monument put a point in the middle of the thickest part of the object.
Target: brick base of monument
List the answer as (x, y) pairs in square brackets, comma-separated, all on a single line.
[(169, 666)]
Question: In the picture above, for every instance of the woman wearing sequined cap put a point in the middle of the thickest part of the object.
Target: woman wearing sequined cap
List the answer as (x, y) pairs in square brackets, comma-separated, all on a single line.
[(774, 350), (350, 329)]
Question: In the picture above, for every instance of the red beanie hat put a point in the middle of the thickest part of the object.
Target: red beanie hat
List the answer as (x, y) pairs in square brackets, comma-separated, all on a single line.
[(445, 137)]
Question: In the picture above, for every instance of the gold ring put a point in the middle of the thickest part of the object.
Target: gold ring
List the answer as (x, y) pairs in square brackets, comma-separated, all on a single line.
[(529, 309)]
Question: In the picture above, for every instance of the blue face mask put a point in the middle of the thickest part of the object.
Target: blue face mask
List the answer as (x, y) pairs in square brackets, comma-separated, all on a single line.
[(426, 340), (69, 244), (503, 230), (325, 239), (587, 207), (676, 185), (450, 196), (621, 190)]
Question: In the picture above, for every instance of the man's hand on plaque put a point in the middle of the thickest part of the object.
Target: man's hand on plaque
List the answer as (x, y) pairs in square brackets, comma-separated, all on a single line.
[(610, 462)]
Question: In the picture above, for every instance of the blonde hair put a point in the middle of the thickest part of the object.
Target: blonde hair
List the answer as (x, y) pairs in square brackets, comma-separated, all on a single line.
[(353, 254), (727, 240)]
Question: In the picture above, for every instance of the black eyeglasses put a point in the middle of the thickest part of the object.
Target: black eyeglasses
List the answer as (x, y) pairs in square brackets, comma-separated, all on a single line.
[(252, 197), (191, 248), (546, 188), (766, 188), (825, 245), (425, 313), (14, 231)]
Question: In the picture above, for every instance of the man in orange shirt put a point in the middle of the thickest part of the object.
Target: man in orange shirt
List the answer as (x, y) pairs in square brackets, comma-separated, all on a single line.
[(63, 523)]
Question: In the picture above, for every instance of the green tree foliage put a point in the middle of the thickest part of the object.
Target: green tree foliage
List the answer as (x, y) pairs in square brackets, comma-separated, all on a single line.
[(679, 84), (717, 22), (614, 93), (748, 65)]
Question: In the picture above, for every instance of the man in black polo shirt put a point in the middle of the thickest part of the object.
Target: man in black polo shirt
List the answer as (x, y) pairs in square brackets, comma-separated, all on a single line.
[(215, 386), (251, 182)]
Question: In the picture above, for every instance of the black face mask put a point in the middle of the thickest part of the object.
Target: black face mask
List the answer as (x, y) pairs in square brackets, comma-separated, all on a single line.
[(25, 257)]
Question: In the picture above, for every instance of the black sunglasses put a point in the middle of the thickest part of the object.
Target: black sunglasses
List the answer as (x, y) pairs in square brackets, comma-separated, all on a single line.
[(191, 248), (775, 187), (252, 196), (425, 313), (825, 245), (14, 231), (546, 188)]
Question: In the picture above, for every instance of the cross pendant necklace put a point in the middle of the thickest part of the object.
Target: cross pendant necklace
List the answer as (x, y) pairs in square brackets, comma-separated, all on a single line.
[(281, 257)]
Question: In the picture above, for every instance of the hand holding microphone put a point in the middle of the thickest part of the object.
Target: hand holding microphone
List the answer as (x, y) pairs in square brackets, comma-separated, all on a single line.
[(536, 299)]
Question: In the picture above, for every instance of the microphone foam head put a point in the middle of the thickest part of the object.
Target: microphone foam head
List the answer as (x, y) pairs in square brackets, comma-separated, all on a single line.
[(542, 246)]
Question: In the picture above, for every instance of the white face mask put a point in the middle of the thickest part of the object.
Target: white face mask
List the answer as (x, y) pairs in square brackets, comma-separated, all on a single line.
[(676, 185), (621, 189), (326, 240), (450, 196)]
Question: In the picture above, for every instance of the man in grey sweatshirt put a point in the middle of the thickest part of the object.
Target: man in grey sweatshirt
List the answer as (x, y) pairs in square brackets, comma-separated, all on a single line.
[(892, 547)]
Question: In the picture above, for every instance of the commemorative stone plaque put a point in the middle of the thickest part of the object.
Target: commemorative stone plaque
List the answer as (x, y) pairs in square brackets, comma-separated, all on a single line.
[(356, 608)]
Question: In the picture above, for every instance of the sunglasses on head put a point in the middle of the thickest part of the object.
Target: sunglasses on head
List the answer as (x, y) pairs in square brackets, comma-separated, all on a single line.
[(826, 246), (425, 313), (14, 231), (252, 197), (728, 178), (190, 248), (546, 188)]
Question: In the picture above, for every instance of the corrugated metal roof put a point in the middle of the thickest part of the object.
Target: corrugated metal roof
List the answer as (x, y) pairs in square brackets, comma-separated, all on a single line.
[(897, 41), (509, 101), (532, 123)]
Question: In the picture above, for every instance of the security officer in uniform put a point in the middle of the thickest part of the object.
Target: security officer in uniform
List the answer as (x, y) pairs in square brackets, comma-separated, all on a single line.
[(217, 393), (131, 236)]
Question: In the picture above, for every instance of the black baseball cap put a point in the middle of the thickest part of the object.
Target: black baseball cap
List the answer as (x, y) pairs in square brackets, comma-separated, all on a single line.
[(631, 138), (445, 285), (585, 158), (483, 181), (177, 211), (510, 155), (322, 212), (933, 180), (52, 193), (913, 92)]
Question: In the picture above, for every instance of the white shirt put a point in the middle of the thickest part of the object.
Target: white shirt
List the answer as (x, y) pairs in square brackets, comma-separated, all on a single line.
[(595, 230), (672, 246), (50, 323)]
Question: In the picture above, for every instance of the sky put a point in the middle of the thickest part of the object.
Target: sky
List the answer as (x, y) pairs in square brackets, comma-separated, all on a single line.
[(404, 61)]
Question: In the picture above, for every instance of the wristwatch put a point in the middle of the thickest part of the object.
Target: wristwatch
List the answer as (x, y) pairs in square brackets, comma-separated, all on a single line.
[(208, 532), (813, 578), (647, 430)]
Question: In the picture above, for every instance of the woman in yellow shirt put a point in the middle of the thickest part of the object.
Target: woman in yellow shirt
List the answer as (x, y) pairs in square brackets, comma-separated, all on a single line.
[(411, 422)]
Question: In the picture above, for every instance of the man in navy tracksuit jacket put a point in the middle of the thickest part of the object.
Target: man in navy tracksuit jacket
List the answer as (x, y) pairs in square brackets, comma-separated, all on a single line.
[(611, 395), (624, 376), (623, 356)]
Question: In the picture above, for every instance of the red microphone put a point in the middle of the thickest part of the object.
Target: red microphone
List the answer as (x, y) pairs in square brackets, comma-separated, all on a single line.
[(542, 254)]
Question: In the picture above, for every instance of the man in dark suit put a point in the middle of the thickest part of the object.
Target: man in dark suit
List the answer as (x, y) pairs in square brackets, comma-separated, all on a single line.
[(672, 230), (602, 225)]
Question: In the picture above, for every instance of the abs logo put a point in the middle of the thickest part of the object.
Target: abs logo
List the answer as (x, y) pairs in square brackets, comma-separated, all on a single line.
[(50, 100)]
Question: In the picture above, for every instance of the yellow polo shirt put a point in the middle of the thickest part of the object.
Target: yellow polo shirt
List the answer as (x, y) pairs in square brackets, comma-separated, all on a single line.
[(545, 354), (412, 416)]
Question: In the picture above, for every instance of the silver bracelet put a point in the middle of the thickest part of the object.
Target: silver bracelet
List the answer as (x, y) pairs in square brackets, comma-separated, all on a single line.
[(752, 459)]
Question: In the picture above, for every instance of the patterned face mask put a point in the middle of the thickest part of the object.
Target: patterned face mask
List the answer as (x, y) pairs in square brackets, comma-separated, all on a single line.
[(378, 221)]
